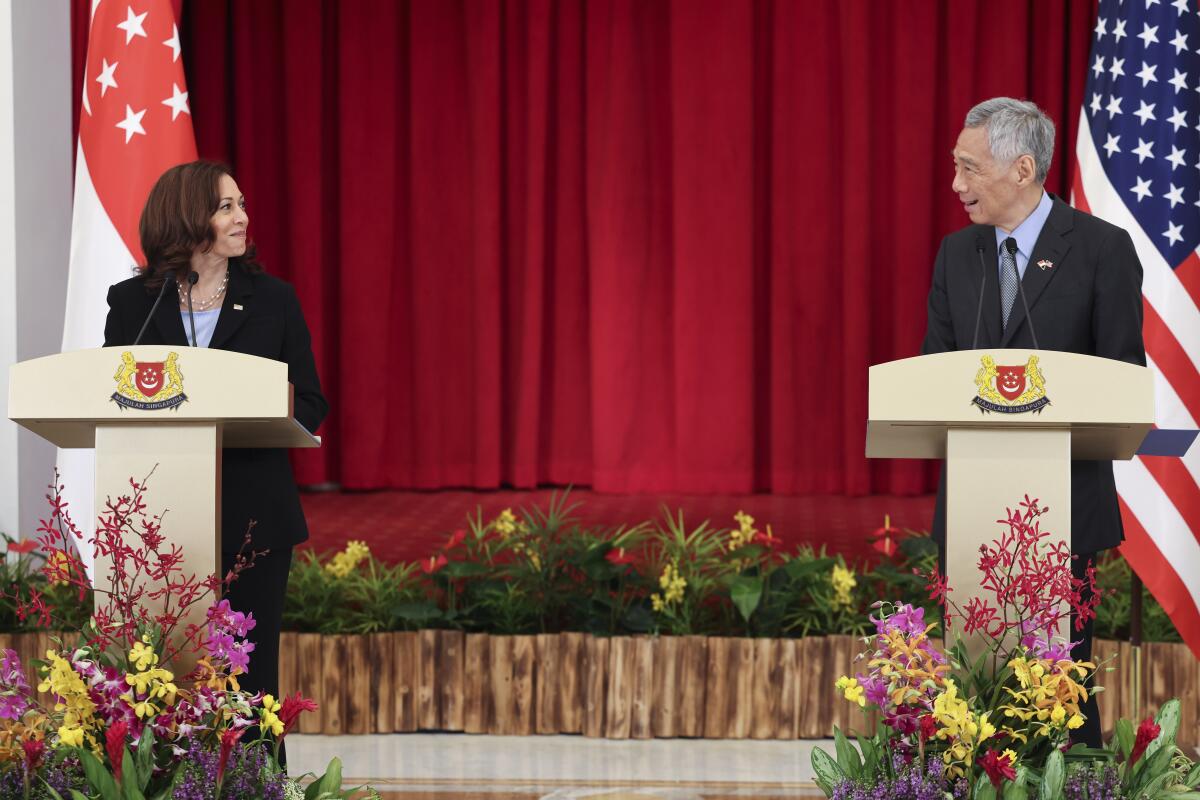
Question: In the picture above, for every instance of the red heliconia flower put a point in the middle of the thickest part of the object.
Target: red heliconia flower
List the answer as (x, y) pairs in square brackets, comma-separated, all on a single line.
[(619, 556), (764, 539), (434, 563), (456, 538), (34, 749), (22, 547), (929, 726), (998, 768), (1147, 732), (885, 537), (114, 743), (228, 739), (291, 709)]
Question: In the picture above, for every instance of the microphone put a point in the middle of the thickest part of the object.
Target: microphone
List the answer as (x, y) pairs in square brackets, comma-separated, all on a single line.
[(192, 277), (168, 281), (1010, 244), (979, 311)]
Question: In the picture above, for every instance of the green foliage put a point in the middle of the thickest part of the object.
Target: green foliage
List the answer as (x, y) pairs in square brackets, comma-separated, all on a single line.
[(1114, 578), (370, 598), (542, 570)]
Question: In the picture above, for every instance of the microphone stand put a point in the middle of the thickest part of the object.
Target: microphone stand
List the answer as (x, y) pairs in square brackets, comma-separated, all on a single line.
[(191, 279)]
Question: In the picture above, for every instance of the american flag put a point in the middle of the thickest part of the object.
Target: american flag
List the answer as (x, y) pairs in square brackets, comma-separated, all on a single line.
[(135, 124), (1139, 167)]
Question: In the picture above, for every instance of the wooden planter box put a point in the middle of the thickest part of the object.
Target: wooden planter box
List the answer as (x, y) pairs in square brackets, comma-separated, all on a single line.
[(637, 687), (626, 687)]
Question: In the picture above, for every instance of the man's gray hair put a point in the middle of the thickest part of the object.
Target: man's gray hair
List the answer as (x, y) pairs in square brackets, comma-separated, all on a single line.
[(1015, 128)]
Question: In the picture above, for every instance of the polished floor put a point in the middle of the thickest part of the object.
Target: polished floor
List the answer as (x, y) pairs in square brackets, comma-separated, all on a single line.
[(462, 767)]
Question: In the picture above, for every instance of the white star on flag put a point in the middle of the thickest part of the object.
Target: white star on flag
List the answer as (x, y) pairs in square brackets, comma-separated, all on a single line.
[(173, 43), (1179, 81), (1142, 189), (1148, 35), (1147, 73), (132, 123), (1146, 112), (177, 102), (105, 78), (133, 25), (1114, 106), (1176, 157), (1174, 233), (1111, 144), (1118, 68), (1179, 42), (1144, 150), (1119, 31), (1175, 195), (1177, 118)]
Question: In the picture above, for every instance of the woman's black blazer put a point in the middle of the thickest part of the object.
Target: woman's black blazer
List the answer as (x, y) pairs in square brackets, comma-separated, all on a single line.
[(256, 484)]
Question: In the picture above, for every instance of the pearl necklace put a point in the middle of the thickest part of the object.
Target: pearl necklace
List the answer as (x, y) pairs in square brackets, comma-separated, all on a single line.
[(205, 304)]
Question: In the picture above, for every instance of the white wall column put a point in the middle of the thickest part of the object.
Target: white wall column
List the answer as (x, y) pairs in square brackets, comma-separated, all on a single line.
[(35, 228)]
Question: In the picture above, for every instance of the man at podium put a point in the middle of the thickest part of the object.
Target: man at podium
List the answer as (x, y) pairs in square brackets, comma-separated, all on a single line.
[(211, 292), (1031, 272)]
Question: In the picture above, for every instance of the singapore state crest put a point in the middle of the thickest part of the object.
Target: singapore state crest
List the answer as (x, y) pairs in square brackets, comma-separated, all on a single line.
[(149, 385), (1010, 390)]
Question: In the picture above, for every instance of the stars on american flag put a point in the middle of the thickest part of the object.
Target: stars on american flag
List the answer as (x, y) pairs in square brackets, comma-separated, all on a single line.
[(142, 25), (1144, 57)]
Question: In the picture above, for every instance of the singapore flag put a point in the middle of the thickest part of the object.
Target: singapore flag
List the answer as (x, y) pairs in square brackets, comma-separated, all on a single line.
[(135, 123)]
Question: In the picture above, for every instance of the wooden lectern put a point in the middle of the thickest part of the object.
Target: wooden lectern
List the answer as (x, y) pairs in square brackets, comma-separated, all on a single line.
[(167, 409), (1008, 423)]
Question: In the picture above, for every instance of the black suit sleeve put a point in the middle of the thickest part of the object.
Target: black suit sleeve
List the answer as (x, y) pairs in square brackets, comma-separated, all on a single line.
[(939, 331), (113, 330), (1117, 317), (309, 405)]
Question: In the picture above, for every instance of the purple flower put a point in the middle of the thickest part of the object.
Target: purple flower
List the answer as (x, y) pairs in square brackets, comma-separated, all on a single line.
[(875, 689), (14, 689)]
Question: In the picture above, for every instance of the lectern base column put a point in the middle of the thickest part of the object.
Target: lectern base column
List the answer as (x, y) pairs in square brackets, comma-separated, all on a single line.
[(185, 489), (989, 471)]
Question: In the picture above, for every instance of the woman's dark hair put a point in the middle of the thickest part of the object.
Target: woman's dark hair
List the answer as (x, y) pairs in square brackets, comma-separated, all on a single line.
[(177, 220)]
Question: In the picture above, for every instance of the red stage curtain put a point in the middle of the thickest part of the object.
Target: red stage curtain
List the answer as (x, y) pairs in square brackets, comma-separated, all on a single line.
[(638, 245)]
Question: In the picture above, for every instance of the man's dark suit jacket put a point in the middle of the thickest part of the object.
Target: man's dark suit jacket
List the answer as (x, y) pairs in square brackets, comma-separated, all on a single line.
[(256, 484), (1089, 302)]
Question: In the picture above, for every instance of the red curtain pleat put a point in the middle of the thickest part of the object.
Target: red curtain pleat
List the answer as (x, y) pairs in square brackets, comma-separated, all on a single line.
[(641, 246)]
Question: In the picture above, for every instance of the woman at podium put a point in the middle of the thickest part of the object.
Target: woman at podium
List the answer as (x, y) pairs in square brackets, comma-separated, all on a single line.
[(211, 292)]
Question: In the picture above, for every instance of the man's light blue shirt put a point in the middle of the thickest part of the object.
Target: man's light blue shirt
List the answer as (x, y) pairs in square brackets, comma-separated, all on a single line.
[(1026, 234)]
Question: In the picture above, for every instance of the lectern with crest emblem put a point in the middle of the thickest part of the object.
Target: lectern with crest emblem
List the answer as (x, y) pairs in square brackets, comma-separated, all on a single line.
[(165, 410), (1008, 424)]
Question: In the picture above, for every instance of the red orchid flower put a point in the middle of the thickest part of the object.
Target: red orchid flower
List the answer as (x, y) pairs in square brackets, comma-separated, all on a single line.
[(291, 708), (998, 768), (114, 743), (434, 563), (22, 547), (1147, 732), (619, 556)]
